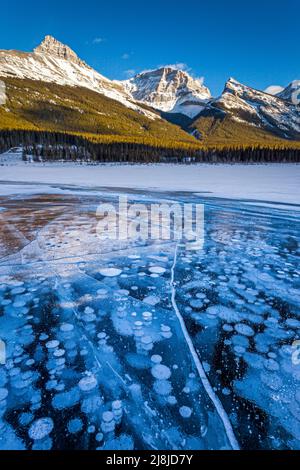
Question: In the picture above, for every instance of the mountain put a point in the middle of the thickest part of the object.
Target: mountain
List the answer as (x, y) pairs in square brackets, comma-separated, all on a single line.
[(291, 92), (169, 90), (52, 89), (55, 62), (243, 110)]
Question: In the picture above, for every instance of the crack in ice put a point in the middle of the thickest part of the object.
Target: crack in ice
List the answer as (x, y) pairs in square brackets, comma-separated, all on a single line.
[(203, 377)]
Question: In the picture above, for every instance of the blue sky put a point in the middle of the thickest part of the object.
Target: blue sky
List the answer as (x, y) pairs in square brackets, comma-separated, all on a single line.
[(256, 42)]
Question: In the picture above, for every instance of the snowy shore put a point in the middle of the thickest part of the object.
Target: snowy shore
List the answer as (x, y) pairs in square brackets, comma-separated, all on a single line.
[(264, 183)]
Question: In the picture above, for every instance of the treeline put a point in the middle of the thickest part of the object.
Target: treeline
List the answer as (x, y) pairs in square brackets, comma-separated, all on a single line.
[(54, 146)]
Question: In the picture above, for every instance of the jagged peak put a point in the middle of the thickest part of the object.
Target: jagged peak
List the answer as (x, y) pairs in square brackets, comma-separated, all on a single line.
[(233, 86), (291, 92), (165, 70), (169, 89), (232, 83), (294, 85), (51, 46), (170, 73), (233, 80), (160, 71)]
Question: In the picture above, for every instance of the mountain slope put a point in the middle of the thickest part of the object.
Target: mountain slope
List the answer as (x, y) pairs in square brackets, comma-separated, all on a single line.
[(247, 115), (36, 105), (169, 90), (53, 62)]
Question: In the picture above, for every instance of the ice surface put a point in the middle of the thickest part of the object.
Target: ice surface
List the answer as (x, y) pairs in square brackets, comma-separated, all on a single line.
[(97, 357)]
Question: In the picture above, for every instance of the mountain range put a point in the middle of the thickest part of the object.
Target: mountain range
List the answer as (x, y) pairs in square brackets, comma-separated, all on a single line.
[(51, 88)]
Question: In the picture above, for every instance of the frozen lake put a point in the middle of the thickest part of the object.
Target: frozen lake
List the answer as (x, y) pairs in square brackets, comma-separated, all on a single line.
[(146, 345)]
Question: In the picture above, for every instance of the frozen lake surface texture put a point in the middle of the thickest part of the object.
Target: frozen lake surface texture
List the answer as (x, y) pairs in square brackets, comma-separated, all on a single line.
[(146, 345)]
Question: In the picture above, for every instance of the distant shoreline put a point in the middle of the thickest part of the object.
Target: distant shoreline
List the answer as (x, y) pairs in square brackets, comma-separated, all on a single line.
[(273, 183)]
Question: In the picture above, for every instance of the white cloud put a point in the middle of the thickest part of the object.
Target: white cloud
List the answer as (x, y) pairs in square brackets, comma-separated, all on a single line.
[(200, 79), (129, 73), (125, 56), (178, 66), (274, 89), (97, 40), (183, 66)]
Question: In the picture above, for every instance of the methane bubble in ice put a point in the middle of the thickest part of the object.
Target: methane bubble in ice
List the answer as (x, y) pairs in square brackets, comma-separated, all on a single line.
[(162, 387), (88, 383), (75, 425), (161, 372), (146, 343), (172, 400), (41, 428), (157, 270), (3, 393), (110, 272), (185, 412), (117, 409), (25, 419), (52, 344), (244, 329), (108, 423), (156, 359)]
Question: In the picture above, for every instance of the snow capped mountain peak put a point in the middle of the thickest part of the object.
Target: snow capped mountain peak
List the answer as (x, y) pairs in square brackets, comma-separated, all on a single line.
[(247, 93), (256, 108), (291, 92), (54, 62), (234, 86), (232, 82), (169, 89), (55, 48), (166, 71)]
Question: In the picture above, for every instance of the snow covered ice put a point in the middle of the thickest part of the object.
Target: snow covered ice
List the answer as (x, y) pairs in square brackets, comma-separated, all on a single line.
[(97, 356)]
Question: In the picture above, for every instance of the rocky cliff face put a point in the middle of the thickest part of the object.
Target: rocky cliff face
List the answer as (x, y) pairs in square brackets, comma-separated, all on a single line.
[(54, 48), (169, 90), (256, 108)]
